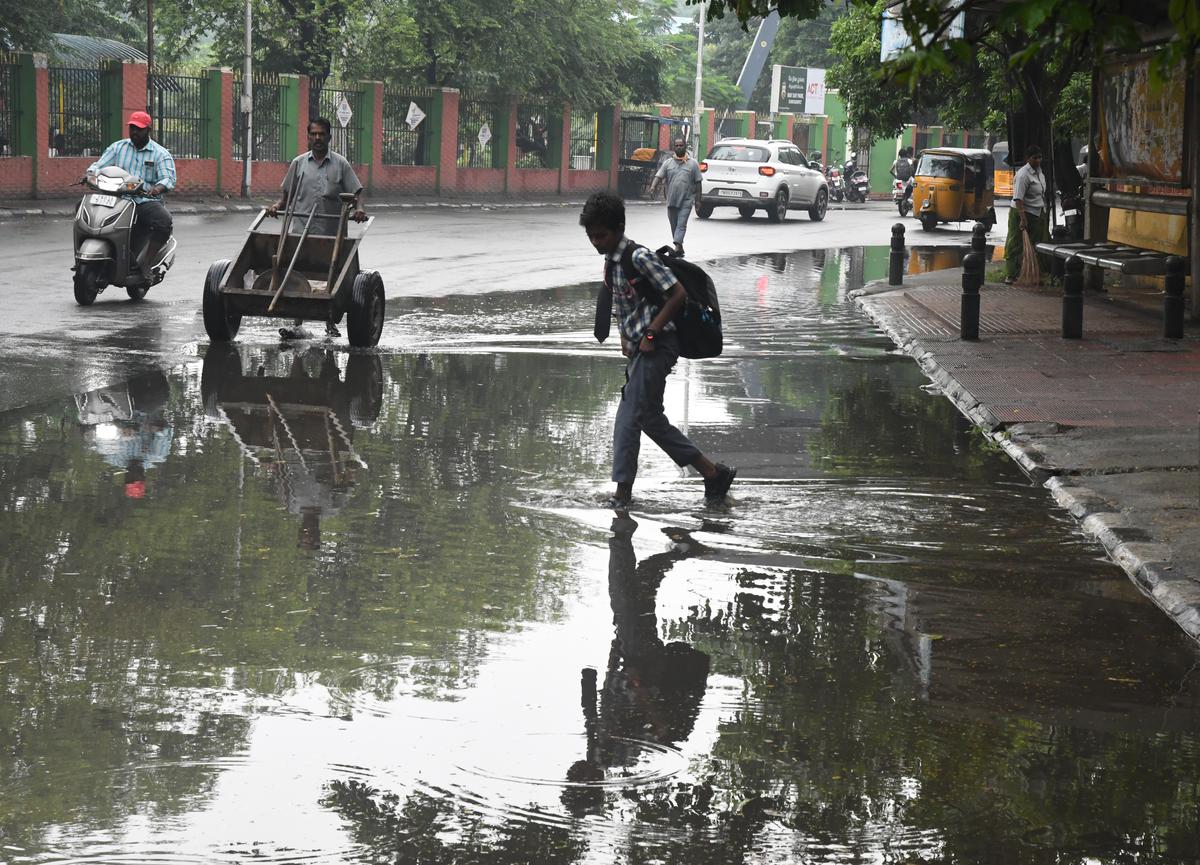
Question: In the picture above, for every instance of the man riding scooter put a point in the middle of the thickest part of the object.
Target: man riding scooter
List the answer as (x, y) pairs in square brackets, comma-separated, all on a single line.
[(154, 165)]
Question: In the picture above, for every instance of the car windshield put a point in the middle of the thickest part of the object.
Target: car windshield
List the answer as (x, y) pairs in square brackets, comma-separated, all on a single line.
[(738, 153), (932, 165)]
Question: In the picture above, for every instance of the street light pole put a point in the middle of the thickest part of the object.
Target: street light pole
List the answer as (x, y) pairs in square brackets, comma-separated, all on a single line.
[(698, 102), (247, 106)]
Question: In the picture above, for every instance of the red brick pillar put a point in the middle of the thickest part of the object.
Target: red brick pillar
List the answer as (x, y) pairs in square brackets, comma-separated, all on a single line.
[(564, 151), (302, 125), (133, 89), (664, 130), (40, 174), (510, 149), (229, 173), (447, 157), (375, 166)]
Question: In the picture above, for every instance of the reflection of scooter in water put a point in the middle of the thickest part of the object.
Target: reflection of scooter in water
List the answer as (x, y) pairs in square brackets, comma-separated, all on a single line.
[(300, 426), (651, 690), (125, 425)]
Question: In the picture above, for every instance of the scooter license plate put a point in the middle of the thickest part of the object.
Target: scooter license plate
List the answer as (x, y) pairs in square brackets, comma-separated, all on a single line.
[(1070, 213), (104, 200)]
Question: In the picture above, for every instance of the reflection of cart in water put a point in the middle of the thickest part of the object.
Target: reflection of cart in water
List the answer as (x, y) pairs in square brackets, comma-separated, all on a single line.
[(126, 425), (300, 425), (304, 274)]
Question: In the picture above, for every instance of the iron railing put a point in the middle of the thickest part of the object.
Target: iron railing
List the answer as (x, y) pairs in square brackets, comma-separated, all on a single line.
[(475, 116), (267, 122), (177, 104), (584, 139), (10, 106), (533, 136), (76, 111), (345, 140), (403, 145)]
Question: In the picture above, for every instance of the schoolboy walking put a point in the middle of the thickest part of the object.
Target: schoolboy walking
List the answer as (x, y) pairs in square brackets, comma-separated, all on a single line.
[(649, 341)]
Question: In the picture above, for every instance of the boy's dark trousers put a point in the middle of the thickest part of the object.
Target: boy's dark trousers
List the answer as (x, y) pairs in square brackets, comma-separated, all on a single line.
[(641, 410)]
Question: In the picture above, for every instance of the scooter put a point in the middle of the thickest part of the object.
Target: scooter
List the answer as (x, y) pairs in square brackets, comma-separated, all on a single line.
[(857, 184), (103, 230), (902, 197)]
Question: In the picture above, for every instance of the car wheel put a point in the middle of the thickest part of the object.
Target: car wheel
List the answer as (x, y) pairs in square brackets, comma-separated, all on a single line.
[(817, 212), (746, 212), (777, 212), (704, 211), (929, 221)]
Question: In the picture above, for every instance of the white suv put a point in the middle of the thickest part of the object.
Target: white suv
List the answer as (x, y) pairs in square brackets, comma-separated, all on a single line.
[(751, 175)]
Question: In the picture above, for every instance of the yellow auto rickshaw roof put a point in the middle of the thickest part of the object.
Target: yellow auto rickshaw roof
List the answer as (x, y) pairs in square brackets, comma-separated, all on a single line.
[(965, 152)]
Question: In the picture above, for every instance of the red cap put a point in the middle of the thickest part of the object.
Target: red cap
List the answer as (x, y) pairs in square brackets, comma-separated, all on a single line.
[(135, 490), (140, 119)]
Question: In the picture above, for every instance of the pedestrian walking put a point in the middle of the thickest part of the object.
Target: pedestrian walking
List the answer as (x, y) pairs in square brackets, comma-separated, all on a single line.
[(1028, 212), (681, 174), (649, 341)]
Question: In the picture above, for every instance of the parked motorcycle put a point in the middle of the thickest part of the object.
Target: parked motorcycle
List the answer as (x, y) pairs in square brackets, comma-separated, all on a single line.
[(856, 181), (837, 187), (103, 232)]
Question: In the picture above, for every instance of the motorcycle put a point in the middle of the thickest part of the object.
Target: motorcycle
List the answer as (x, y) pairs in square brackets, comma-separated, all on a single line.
[(837, 189), (857, 183), (103, 233), (902, 191)]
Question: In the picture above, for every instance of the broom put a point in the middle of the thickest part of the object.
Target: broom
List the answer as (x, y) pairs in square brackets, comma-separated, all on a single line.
[(1031, 273)]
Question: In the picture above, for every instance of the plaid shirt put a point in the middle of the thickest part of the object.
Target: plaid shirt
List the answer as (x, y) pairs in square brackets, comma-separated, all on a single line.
[(634, 314), (153, 164)]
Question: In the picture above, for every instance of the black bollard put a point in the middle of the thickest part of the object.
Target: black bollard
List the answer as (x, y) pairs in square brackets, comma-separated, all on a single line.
[(1072, 313), (972, 281), (1173, 299), (979, 238), (896, 263)]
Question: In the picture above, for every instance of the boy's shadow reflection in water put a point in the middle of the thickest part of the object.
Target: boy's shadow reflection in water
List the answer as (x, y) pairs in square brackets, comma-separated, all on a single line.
[(652, 690)]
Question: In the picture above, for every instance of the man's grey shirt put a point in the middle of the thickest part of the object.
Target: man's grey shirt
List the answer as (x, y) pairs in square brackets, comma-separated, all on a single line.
[(1029, 187), (320, 183), (681, 175)]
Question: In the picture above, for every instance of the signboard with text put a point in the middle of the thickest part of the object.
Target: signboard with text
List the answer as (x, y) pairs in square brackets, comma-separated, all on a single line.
[(797, 89)]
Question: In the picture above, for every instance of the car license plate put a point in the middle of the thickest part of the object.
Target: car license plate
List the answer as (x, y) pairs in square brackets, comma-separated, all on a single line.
[(730, 193), (104, 200)]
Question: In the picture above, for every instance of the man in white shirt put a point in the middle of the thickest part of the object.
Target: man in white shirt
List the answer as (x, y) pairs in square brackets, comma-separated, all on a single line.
[(1028, 211)]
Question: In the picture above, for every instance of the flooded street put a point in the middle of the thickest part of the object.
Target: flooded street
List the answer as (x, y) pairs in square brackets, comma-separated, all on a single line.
[(302, 605)]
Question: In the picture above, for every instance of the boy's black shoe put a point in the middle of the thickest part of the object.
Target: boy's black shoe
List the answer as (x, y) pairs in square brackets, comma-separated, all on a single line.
[(716, 486)]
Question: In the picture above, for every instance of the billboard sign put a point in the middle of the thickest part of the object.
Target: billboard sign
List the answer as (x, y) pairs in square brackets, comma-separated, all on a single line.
[(894, 39), (797, 89)]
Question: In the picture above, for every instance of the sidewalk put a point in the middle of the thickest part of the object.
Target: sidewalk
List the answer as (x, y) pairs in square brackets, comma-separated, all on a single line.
[(63, 208), (1109, 423)]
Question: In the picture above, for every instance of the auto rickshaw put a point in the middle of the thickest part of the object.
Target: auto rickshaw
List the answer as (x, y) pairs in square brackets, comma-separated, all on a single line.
[(1003, 172), (953, 184)]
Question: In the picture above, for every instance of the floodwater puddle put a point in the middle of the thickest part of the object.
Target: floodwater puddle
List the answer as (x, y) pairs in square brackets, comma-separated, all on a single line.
[(304, 605)]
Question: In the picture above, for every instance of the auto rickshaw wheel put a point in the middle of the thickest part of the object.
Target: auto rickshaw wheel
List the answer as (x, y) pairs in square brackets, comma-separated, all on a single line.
[(929, 221), (220, 322), (364, 318)]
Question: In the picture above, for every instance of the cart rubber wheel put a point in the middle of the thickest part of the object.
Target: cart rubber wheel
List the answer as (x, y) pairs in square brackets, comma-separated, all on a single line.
[(929, 222), (704, 211), (220, 322), (820, 207), (777, 212), (87, 282), (364, 380), (364, 318)]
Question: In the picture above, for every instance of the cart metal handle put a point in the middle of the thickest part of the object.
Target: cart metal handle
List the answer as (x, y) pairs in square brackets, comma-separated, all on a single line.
[(295, 255)]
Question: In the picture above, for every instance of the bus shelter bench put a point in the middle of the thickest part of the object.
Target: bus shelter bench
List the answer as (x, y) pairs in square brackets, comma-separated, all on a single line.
[(1109, 256)]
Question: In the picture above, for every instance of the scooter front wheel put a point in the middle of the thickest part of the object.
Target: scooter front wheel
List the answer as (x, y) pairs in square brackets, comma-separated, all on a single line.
[(88, 275), (136, 292)]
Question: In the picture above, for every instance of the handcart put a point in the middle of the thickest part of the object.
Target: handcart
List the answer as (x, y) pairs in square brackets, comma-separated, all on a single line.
[(306, 276)]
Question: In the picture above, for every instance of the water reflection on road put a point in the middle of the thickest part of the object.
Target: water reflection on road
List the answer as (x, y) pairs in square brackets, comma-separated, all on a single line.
[(362, 608)]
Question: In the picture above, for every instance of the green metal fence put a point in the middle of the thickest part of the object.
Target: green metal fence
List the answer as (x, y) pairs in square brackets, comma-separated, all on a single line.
[(404, 144), (584, 139), (534, 135), (267, 121), (76, 111), (333, 99), (178, 106), (10, 106), (480, 123)]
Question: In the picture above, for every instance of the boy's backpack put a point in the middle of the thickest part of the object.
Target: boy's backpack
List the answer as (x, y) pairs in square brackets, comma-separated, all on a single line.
[(698, 323), (904, 168)]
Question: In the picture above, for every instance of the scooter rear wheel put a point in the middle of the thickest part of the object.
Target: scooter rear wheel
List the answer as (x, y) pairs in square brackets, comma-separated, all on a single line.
[(87, 282)]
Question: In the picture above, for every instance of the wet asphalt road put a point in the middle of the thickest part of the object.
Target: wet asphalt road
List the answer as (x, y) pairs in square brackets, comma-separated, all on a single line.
[(51, 347)]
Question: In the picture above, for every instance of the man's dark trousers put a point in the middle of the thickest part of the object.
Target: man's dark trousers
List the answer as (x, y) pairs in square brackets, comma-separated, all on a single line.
[(153, 220)]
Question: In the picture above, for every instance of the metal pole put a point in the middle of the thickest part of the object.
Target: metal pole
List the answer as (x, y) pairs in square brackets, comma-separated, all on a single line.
[(896, 259), (1072, 302), (698, 102), (248, 106), (1173, 298)]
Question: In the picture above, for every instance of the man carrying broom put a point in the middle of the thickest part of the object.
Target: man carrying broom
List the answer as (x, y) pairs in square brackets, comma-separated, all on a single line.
[(1026, 219)]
